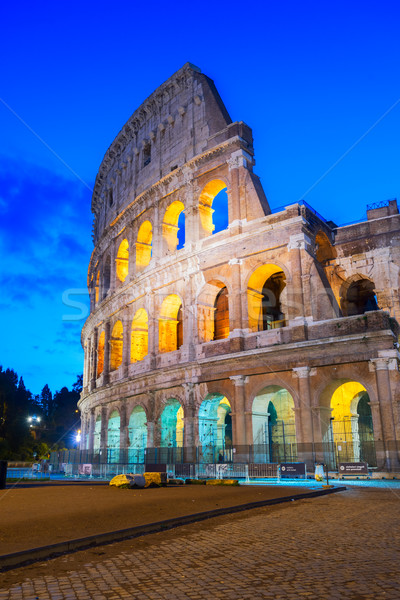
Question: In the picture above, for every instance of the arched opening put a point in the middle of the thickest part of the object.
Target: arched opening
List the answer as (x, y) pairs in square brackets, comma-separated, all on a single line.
[(97, 287), (139, 336), (213, 312), (213, 207), (97, 435), (359, 297), (113, 437), (350, 433), (116, 346), (221, 315), (100, 353), (137, 435), (122, 260), (266, 298), (170, 324), (171, 431), (143, 245), (215, 429), (274, 428), (106, 276), (173, 219), (324, 250)]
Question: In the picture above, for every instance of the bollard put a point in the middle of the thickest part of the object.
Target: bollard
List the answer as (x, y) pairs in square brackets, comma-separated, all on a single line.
[(3, 474)]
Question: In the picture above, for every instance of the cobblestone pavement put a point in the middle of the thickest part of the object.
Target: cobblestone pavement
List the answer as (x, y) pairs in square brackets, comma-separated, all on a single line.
[(333, 547)]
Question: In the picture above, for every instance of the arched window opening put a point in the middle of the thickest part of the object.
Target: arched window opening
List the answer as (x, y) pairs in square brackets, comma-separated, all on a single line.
[(170, 328), (97, 435), (106, 276), (97, 287), (143, 245), (122, 260), (215, 429), (171, 425), (116, 346), (360, 298), (113, 437), (266, 296), (221, 315), (100, 353), (139, 336), (137, 435), (146, 154), (213, 207), (349, 436), (174, 218), (110, 197), (324, 250), (274, 431)]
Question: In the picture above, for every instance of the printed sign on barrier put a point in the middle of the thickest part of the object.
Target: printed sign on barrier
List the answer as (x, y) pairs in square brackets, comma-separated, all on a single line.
[(360, 468), (293, 470)]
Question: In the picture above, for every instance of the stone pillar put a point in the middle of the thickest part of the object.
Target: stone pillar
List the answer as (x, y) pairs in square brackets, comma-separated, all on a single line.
[(235, 304), (193, 228), (153, 328), (239, 419), (126, 346), (382, 368), (107, 343), (295, 299), (190, 420), (92, 422), (103, 434), (92, 384), (189, 322), (157, 241), (123, 434), (113, 273), (304, 420)]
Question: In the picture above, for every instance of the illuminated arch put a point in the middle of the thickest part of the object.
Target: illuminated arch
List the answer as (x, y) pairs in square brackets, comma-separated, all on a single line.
[(113, 437), (137, 435), (122, 260), (170, 326), (324, 250), (349, 432), (170, 227), (97, 287), (266, 297), (100, 353), (143, 245), (213, 312), (213, 194), (139, 335), (215, 429), (171, 425), (116, 346), (274, 428)]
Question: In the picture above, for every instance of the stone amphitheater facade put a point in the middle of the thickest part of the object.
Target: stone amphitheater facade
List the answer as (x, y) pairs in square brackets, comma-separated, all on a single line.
[(273, 338)]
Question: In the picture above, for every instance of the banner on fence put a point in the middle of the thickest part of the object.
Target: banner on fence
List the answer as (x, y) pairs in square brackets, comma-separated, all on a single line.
[(293, 470), (354, 468)]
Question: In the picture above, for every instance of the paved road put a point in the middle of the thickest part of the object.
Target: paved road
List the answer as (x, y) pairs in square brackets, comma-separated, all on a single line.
[(340, 546)]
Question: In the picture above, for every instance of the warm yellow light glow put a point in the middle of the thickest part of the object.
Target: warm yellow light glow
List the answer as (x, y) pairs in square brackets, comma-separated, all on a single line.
[(170, 224), (116, 346), (122, 260), (168, 324), (255, 296), (179, 428), (342, 400), (205, 203), (97, 286), (143, 244), (139, 336), (100, 353), (206, 310)]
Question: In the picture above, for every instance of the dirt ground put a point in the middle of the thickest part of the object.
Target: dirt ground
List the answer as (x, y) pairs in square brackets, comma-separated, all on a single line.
[(33, 515)]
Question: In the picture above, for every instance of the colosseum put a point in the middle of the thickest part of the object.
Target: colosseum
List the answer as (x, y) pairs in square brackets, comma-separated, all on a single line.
[(223, 332)]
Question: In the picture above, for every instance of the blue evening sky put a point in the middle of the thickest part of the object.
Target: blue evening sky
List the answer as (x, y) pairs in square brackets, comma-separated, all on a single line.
[(310, 78)]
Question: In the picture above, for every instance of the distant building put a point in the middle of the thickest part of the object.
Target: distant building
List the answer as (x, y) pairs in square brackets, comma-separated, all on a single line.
[(220, 331)]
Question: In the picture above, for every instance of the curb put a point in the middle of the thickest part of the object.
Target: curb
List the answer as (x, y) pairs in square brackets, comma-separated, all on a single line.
[(24, 557)]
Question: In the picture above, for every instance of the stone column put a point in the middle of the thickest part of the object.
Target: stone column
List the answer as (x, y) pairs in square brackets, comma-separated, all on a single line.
[(382, 368), (103, 434), (126, 346), (92, 384), (190, 420), (107, 343), (113, 274), (123, 434), (304, 420), (189, 322), (295, 298), (239, 419), (193, 229), (235, 304), (92, 423), (153, 328)]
